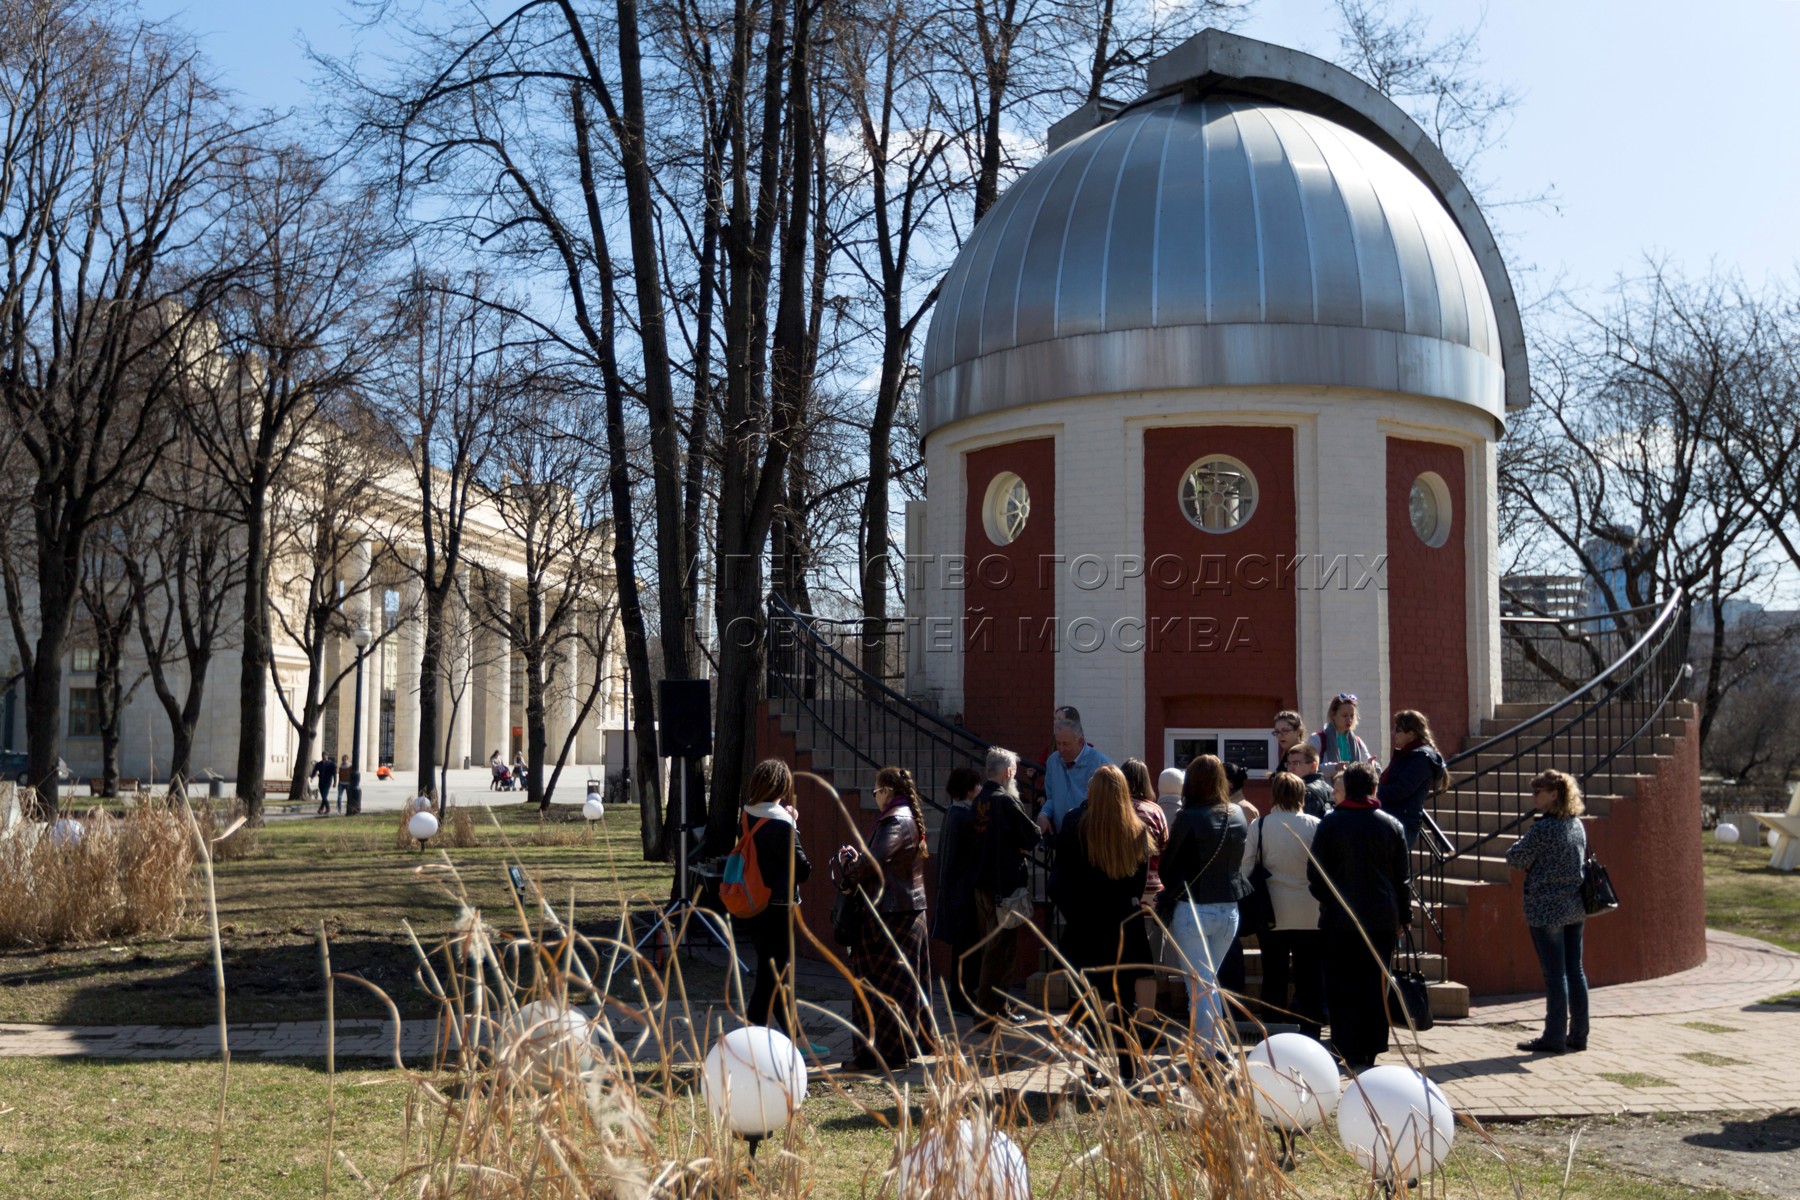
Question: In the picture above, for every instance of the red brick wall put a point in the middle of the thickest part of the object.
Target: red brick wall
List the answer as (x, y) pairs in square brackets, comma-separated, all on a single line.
[(1009, 676), (1650, 843), (1217, 657), (1428, 638)]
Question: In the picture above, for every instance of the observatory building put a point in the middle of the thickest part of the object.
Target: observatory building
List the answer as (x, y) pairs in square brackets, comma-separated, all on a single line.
[(1210, 405)]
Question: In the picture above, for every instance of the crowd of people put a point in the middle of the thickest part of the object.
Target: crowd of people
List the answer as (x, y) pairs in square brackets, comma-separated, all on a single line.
[(1148, 876)]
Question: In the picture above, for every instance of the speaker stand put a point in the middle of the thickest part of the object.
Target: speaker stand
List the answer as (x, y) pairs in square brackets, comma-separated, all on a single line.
[(680, 910)]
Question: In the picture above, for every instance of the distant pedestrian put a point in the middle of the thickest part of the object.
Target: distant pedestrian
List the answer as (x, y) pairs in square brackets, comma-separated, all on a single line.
[(1067, 773), (346, 777), (1337, 743), (1005, 834), (891, 957), (954, 920), (1414, 774), (1280, 842), (1303, 760), (325, 771), (1358, 874), (1201, 888), (1552, 854)]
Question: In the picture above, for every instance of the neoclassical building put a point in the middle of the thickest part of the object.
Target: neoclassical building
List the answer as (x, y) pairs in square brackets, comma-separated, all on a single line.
[(482, 696)]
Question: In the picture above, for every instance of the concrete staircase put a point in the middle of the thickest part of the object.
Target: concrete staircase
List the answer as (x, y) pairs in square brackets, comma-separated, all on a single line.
[(1471, 815)]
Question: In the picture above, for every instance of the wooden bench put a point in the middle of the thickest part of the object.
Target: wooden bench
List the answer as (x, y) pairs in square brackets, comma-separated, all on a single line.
[(126, 787)]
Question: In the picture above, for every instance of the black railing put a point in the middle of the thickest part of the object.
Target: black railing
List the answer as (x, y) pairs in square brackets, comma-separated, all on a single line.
[(1603, 730), (867, 722), (1544, 658)]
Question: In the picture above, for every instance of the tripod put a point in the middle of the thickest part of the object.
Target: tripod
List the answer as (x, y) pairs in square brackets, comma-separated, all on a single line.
[(674, 916)]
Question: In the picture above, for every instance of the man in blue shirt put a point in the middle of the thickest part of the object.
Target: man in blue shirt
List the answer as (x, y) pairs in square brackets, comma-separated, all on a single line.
[(1067, 773)]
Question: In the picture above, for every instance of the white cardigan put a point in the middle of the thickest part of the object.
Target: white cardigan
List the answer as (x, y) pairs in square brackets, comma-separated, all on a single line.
[(1284, 839)]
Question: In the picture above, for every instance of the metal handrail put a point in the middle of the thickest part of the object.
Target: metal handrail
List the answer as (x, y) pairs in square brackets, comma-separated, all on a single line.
[(1669, 609), (780, 608)]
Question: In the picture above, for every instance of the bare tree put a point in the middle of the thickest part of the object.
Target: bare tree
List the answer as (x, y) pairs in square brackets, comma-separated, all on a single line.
[(114, 143), (561, 608), (449, 388), (184, 562), (327, 541), (110, 603), (293, 330)]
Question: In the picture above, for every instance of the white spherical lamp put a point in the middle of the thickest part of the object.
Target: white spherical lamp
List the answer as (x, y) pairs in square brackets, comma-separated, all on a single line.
[(754, 1080), (1396, 1123), (543, 1043), (1310, 1075), (593, 809), (1771, 838), (67, 832), (974, 1162), (1726, 835), (422, 826)]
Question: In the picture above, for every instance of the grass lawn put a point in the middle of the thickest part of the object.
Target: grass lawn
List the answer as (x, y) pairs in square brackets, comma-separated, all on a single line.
[(348, 872), (1744, 896), (83, 1128)]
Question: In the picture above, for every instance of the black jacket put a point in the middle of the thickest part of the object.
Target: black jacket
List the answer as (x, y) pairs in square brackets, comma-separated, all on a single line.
[(772, 842), (958, 851), (1363, 852), (1320, 798), (1408, 782), (1103, 917), (1191, 870), (1006, 834)]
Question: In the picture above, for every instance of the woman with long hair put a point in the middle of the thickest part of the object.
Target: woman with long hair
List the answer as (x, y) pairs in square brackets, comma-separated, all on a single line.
[(770, 815), (1156, 823), (1102, 866), (891, 955), (1415, 772), (1201, 887), (1552, 854)]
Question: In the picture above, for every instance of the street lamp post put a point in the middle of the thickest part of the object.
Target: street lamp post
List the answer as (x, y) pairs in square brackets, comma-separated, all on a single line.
[(353, 800)]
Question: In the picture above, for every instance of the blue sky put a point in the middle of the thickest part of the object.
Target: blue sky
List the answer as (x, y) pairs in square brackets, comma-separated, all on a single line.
[(1663, 128)]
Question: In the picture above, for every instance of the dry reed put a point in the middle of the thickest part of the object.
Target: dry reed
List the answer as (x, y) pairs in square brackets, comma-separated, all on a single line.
[(116, 877)]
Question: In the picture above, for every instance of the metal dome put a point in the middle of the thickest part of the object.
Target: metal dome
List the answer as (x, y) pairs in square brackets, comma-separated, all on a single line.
[(1212, 241)]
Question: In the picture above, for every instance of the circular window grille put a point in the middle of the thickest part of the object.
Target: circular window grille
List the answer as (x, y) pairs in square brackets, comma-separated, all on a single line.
[(1007, 509), (1429, 507), (1218, 494)]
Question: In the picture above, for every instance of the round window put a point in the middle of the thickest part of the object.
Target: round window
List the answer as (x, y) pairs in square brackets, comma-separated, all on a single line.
[(1007, 509), (1218, 494), (1429, 506)]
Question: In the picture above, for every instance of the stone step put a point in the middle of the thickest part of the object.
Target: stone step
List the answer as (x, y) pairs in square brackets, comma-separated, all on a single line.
[(1512, 712), (1579, 743), (1431, 965)]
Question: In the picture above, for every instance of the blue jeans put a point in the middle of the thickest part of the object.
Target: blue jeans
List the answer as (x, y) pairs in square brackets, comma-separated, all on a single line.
[(1565, 983), (1203, 934)]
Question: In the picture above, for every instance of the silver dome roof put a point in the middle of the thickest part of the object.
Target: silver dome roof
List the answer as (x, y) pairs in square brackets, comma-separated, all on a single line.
[(1212, 241)]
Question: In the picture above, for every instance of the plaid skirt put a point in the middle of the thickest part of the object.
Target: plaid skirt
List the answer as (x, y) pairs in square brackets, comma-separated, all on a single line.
[(898, 1032)]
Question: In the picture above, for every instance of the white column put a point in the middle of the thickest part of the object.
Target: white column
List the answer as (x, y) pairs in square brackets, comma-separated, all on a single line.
[(1344, 644), (410, 645), (494, 671)]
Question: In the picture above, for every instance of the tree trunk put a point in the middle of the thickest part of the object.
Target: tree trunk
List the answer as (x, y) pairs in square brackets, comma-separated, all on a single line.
[(253, 678), (58, 592), (877, 543), (431, 657)]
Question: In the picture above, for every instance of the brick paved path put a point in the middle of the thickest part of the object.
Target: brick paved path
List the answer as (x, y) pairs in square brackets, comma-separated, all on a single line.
[(1695, 1042)]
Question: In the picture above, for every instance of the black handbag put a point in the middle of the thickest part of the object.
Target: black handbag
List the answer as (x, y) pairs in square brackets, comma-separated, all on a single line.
[(1256, 911), (847, 917), (1411, 1000), (1597, 895)]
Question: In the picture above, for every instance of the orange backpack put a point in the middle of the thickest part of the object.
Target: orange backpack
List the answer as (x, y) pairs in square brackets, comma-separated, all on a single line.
[(743, 892)]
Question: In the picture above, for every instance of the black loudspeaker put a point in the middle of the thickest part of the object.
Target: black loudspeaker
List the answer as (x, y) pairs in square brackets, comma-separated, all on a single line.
[(685, 730)]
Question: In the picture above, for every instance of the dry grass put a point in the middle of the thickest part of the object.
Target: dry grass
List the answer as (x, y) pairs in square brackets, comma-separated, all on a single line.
[(115, 878)]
